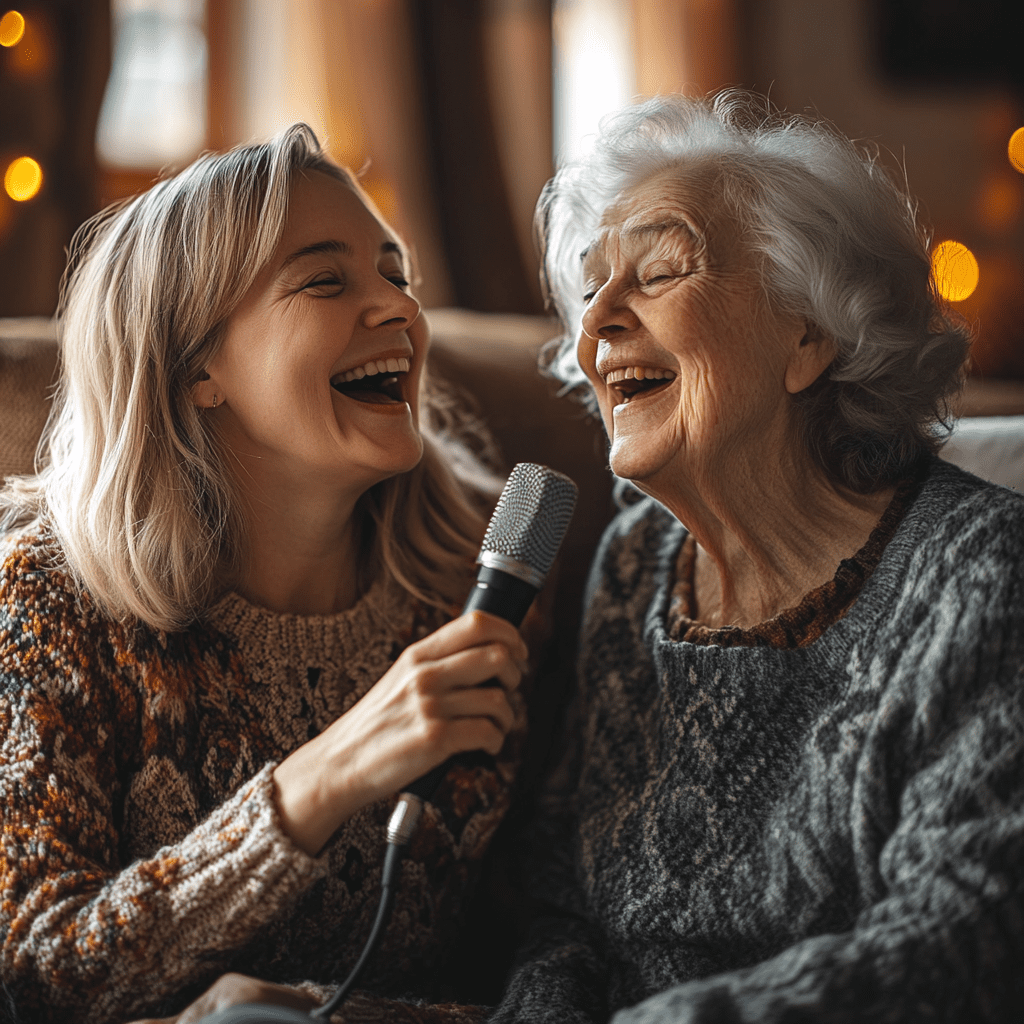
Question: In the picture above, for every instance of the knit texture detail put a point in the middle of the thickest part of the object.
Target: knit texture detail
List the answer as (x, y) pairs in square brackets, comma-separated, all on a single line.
[(142, 850), (827, 832)]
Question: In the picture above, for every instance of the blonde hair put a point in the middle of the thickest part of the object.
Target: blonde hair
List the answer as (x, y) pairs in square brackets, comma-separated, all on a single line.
[(131, 479)]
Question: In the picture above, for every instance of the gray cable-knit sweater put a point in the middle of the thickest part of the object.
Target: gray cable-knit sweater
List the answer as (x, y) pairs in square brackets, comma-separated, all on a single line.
[(829, 830)]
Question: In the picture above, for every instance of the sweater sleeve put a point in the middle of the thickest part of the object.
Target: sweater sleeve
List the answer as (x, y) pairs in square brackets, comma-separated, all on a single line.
[(86, 936)]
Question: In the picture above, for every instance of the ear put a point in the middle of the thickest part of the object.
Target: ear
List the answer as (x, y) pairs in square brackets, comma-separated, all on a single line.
[(206, 393), (809, 359)]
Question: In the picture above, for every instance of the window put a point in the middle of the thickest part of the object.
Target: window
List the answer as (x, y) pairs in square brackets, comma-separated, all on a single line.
[(154, 108)]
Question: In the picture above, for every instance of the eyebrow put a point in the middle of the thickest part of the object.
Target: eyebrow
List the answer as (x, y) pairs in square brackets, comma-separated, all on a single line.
[(656, 228), (673, 224), (333, 246)]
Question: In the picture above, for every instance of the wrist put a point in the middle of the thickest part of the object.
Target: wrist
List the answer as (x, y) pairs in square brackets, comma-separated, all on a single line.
[(312, 800)]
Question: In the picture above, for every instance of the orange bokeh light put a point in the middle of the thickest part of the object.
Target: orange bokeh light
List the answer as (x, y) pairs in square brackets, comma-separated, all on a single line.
[(955, 270), (12, 28), (24, 179), (1000, 202), (1016, 150), (34, 54)]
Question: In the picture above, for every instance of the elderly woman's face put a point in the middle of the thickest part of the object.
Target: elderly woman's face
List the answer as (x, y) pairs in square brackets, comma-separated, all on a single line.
[(686, 360)]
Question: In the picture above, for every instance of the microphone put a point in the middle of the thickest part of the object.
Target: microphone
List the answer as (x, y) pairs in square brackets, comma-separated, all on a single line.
[(520, 546), (522, 539)]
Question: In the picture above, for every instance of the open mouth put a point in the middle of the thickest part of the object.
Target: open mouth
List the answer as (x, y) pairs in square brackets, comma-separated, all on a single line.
[(634, 382), (377, 382)]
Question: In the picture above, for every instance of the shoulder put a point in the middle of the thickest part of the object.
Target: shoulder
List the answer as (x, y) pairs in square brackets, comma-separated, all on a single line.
[(945, 605), (961, 527), (53, 637), (33, 579)]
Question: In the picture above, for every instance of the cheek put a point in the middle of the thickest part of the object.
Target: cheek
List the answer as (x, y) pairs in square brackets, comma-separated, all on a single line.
[(701, 402), (586, 356)]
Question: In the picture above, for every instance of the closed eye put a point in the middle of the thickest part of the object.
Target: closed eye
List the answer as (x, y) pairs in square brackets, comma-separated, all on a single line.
[(328, 282), (398, 281)]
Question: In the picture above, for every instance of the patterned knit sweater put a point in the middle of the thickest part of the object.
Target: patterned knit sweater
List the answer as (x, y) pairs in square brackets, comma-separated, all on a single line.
[(825, 829), (142, 851)]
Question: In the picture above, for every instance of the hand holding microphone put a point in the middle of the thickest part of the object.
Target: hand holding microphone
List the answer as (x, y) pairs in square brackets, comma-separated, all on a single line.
[(520, 546), (463, 671), (429, 704), (522, 540)]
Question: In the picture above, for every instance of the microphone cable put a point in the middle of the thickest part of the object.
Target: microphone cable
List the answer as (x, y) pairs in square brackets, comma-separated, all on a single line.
[(401, 825)]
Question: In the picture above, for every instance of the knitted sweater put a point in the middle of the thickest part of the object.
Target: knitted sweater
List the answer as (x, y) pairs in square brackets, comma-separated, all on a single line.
[(830, 830), (142, 850)]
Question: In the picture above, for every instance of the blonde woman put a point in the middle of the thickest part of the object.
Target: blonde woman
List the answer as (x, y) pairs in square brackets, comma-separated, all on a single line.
[(224, 605)]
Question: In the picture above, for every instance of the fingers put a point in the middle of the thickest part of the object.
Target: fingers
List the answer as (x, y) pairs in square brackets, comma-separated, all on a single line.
[(470, 668), (474, 734), (490, 703), (471, 630)]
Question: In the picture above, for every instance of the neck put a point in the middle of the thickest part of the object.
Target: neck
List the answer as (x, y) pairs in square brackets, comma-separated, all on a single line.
[(765, 539), (302, 555)]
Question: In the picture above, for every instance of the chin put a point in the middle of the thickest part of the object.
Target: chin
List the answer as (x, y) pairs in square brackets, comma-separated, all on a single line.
[(408, 459), (629, 464)]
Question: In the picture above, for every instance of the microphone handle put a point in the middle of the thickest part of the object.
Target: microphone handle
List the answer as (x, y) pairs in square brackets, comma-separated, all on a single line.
[(508, 597)]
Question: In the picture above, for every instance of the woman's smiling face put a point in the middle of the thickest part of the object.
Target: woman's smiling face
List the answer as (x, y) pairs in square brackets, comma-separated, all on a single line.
[(320, 366), (685, 357)]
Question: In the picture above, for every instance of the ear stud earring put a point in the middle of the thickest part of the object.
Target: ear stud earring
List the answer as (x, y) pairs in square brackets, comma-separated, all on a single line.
[(214, 406)]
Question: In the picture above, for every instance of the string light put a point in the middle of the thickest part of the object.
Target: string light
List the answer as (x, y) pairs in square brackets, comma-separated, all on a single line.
[(955, 270), (1016, 150), (12, 28), (24, 178)]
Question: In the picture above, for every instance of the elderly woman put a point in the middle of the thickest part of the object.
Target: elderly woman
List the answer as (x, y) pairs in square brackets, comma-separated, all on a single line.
[(798, 792), (224, 605)]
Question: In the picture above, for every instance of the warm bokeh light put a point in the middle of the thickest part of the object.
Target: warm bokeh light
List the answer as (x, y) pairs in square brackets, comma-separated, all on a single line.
[(24, 178), (1016, 150), (1000, 201), (34, 55), (12, 28), (955, 270)]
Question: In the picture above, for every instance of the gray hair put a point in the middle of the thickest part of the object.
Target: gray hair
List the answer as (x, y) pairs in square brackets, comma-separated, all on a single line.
[(838, 245)]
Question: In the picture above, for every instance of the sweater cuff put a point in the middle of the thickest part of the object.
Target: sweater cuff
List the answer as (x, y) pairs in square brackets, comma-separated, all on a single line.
[(240, 864)]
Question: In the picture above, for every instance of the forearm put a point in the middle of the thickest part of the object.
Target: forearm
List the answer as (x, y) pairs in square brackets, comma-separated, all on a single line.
[(908, 971), (108, 945)]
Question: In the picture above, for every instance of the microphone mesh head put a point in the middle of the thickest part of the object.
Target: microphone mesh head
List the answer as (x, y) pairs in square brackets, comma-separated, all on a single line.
[(532, 516)]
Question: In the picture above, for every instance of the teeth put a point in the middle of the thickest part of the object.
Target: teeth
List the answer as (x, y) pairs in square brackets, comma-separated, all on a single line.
[(637, 373), (393, 365)]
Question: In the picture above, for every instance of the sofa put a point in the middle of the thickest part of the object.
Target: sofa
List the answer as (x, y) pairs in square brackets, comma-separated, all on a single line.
[(491, 359)]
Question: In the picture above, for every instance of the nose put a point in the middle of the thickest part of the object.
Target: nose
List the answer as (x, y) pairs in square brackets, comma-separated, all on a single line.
[(390, 306), (609, 313)]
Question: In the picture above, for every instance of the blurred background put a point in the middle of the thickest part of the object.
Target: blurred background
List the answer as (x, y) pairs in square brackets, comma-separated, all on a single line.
[(457, 111)]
